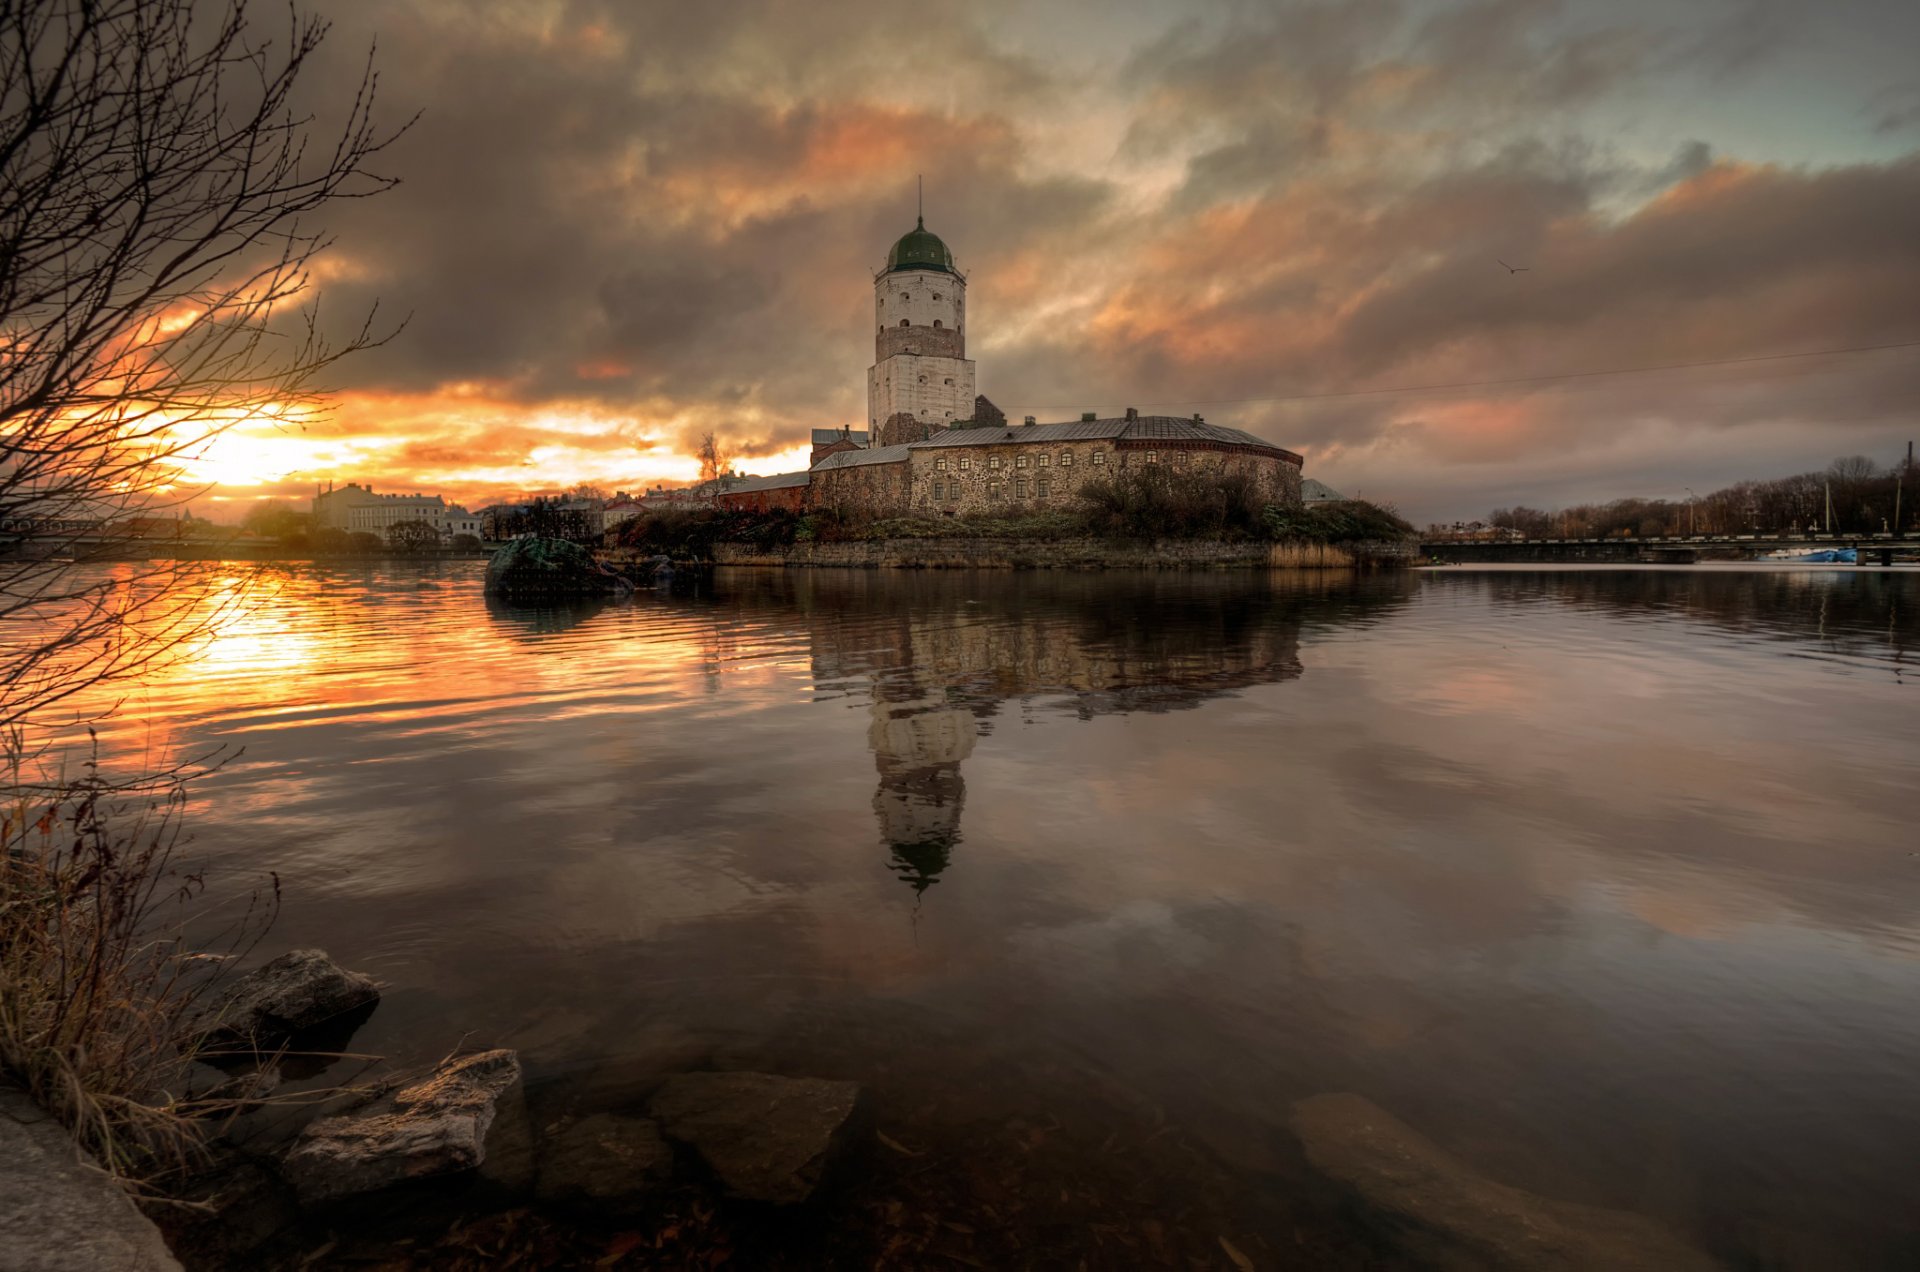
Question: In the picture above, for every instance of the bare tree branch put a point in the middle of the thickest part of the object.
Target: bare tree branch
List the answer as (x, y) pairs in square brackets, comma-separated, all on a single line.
[(158, 203)]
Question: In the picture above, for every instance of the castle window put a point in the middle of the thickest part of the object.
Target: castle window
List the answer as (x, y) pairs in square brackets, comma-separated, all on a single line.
[(905, 323), (1179, 457), (936, 295), (1043, 488), (993, 461), (1099, 457), (1153, 457), (940, 465), (993, 490), (904, 296), (965, 463), (1020, 461), (936, 322), (923, 380), (949, 378), (1066, 459), (1043, 459), (1020, 488)]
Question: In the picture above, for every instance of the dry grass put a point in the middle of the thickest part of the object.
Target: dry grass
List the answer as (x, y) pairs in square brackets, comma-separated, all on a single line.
[(1309, 556), (96, 978)]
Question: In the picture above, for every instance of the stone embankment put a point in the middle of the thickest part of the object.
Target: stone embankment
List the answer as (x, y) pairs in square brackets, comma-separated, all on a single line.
[(1067, 554)]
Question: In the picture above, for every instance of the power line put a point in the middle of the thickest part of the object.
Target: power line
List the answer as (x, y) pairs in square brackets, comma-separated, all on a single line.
[(1524, 379)]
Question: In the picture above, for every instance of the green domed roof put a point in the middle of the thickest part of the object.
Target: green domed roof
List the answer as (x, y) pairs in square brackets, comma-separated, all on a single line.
[(920, 248)]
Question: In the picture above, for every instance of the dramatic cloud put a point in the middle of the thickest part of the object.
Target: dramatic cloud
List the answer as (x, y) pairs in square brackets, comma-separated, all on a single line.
[(622, 225)]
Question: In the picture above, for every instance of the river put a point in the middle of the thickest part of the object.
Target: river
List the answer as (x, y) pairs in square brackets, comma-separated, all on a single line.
[(1603, 879)]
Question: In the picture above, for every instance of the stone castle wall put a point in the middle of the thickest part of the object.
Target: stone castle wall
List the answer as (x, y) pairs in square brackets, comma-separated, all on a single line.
[(924, 300), (865, 490), (1027, 477), (1064, 554), (935, 389), (931, 342)]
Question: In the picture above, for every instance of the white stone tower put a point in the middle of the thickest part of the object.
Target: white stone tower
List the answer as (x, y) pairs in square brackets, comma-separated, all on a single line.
[(920, 366)]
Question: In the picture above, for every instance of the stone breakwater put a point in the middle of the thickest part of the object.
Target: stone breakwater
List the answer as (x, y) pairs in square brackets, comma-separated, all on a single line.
[(1068, 554)]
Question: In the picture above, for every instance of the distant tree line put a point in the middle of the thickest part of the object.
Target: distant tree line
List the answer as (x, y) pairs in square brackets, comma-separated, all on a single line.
[(1866, 499)]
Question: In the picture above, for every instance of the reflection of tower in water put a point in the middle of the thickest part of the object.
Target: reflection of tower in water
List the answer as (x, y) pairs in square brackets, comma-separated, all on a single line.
[(918, 744), (937, 657)]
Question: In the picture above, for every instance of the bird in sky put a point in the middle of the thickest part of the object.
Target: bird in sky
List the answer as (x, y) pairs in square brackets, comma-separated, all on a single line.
[(1514, 269)]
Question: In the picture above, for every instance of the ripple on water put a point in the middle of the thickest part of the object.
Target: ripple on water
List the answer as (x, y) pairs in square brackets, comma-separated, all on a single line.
[(1601, 878)]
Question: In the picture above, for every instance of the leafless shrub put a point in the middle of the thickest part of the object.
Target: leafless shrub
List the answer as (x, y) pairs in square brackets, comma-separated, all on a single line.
[(99, 976), (156, 190)]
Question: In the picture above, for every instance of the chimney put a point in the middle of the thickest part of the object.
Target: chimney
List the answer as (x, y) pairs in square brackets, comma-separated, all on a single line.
[(1133, 414), (1197, 419), (1029, 421), (1088, 417)]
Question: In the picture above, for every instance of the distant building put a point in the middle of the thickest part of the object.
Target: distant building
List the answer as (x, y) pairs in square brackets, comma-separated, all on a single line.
[(1314, 492), (354, 507), (620, 510), (786, 491), (831, 441), (1039, 466)]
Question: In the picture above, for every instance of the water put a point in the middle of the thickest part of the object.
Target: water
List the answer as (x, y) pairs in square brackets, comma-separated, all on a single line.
[(1603, 879)]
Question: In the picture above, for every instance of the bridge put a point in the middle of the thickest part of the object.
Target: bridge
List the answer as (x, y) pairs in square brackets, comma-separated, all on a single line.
[(1879, 549)]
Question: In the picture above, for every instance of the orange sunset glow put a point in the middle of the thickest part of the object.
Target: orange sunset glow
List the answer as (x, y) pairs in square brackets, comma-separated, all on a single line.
[(672, 231)]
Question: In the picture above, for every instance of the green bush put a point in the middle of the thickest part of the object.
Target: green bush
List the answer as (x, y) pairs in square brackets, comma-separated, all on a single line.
[(690, 535), (1343, 521), (1155, 501)]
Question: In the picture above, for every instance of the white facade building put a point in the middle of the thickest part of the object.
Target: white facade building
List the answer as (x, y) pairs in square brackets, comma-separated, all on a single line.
[(355, 507), (920, 343)]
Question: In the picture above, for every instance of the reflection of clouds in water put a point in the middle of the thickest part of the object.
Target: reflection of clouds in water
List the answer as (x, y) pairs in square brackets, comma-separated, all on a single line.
[(1494, 849)]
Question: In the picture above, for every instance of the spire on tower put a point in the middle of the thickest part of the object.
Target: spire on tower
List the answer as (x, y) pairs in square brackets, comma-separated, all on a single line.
[(920, 201)]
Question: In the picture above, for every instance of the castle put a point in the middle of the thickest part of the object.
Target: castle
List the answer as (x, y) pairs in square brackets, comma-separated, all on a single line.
[(934, 447)]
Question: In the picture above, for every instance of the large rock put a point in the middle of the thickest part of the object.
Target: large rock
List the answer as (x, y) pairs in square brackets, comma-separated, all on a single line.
[(59, 1212), (296, 991), (605, 1158), (1446, 1215), (469, 1114), (766, 1138), (547, 569)]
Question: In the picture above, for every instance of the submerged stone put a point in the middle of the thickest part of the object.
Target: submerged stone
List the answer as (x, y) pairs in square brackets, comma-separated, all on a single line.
[(297, 991), (766, 1138), (605, 1158), (469, 1114), (1444, 1214), (547, 569)]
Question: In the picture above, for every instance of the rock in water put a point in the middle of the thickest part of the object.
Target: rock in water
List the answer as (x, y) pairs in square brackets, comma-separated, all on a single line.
[(1447, 1215), (296, 991), (469, 1113), (766, 1138), (605, 1158), (547, 570)]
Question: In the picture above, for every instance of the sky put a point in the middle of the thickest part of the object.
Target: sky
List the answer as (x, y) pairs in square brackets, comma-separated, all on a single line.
[(619, 225)]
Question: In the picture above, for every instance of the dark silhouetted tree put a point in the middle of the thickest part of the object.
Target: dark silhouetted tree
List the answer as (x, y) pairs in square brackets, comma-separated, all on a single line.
[(159, 204)]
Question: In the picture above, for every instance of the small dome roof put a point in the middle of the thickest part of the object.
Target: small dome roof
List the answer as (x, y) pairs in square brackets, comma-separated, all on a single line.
[(920, 248)]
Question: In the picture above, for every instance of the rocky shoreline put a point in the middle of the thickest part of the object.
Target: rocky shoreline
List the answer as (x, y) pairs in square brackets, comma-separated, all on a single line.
[(400, 1167)]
